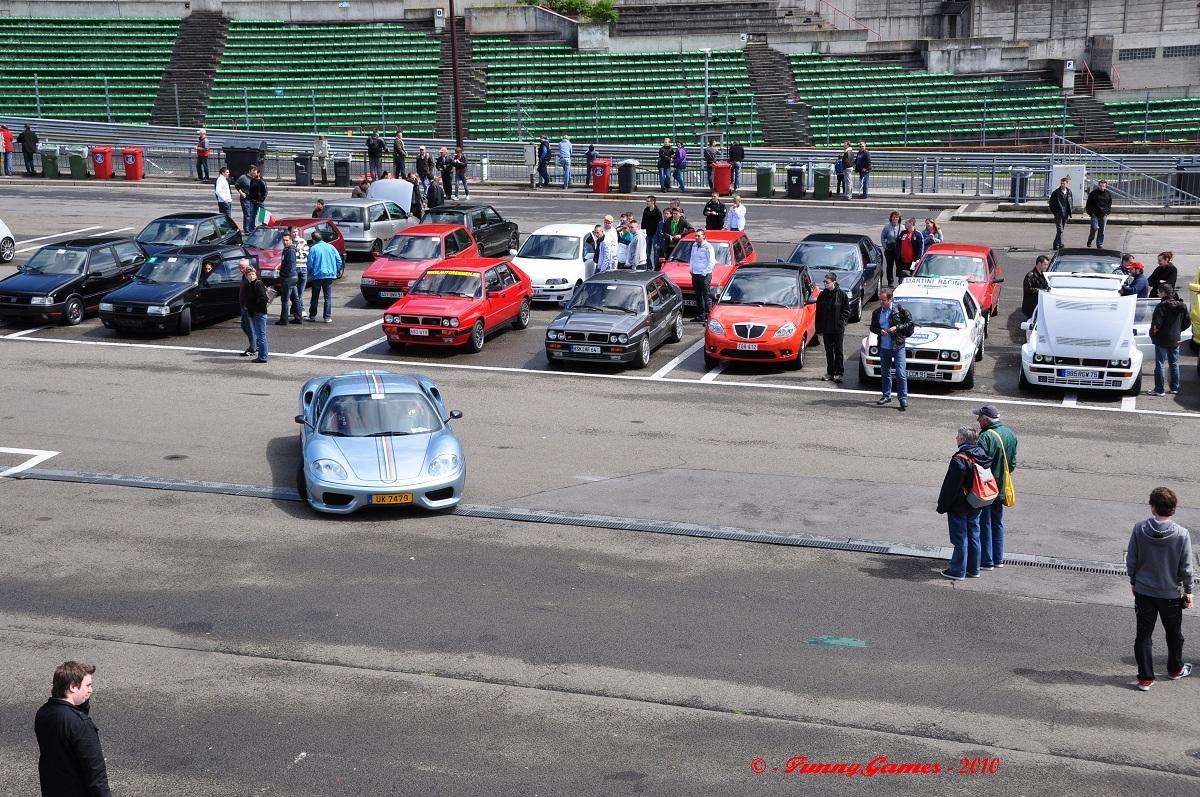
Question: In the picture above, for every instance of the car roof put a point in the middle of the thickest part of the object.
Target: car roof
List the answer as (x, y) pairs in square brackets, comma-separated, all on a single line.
[(579, 230), (716, 236), (835, 237), (430, 229), (1080, 250), (775, 264), (472, 263), (931, 288), (369, 382), (190, 214), (295, 221), (959, 249), (455, 208), (624, 275), (200, 249), (355, 203), (85, 243)]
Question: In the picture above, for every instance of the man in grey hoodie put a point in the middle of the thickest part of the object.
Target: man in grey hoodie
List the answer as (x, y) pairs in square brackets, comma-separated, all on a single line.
[(1159, 564)]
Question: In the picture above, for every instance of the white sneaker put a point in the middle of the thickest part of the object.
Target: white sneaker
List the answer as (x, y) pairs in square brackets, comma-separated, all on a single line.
[(1184, 673)]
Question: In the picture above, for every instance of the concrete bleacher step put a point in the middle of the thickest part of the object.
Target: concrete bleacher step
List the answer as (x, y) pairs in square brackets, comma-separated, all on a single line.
[(770, 73), (1091, 119), (472, 82), (190, 72)]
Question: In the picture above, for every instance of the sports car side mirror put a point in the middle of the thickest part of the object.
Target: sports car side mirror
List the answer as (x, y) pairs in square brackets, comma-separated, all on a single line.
[(455, 415), (301, 420), (512, 251)]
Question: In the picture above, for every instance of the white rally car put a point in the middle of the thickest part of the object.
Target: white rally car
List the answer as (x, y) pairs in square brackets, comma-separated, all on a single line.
[(557, 258), (948, 339)]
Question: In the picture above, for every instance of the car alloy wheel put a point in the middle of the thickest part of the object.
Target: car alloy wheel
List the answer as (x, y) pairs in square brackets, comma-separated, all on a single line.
[(522, 319), (477, 337), (73, 312), (8, 250), (677, 330), (644, 352)]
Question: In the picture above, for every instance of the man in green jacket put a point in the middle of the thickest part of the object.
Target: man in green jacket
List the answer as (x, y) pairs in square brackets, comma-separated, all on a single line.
[(1000, 444)]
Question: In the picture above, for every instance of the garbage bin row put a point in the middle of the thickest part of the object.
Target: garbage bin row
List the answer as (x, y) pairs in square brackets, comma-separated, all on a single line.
[(132, 158), (722, 180)]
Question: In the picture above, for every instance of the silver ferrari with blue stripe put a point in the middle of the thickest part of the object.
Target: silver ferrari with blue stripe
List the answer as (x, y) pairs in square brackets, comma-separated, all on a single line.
[(374, 438)]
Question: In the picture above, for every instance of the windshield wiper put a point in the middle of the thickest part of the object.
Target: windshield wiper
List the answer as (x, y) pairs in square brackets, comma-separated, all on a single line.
[(424, 292), (29, 270), (332, 433), (388, 434), (589, 307), (621, 309)]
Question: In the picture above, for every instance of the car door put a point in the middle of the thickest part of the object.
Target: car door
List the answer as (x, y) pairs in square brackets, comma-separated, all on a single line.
[(808, 307), (975, 320), (871, 256), (493, 298), (130, 258), (397, 218), (229, 233), (223, 292), (104, 276), (513, 295), (994, 279), (661, 316), (380, 226)]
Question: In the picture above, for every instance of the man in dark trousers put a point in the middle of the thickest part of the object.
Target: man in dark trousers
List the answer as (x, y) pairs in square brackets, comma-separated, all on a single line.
[(1170, 317), (714, 213), (737, 154), (543, 162), (892, 325), (1035, 282), (1062, 204), (287, 280), (862, 167), (651, 221), (1158, 561), (833, 311), (257, 194), (28, 141), (436, 196), (375, 149), (70, 760), (1000, 443), (710, 157), (962, 518), (666, 153), (256, 302), (590, 158), (1098, 206)]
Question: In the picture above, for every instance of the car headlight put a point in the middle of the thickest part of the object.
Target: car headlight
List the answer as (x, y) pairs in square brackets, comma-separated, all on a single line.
[(391, 319), (445, 322), (1119, 363), (329, 470), (954, 355), (786, 331), (873, 351), (42, 300), (454, 322), (551, 334), (1038, 358), (444, 464), (557, 281), (618, 338), (714, 326), (106, 307), (368, 281), (157, 310)]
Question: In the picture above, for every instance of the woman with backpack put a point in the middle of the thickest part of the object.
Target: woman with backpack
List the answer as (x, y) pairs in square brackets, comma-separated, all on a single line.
[(965, 490)]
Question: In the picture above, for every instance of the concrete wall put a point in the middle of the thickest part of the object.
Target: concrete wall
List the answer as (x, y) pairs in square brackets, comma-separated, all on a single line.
[(1047, 19), (294, 10), (484, 20)]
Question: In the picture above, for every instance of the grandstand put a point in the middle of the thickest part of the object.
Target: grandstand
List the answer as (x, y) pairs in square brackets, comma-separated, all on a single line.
[(1164, 119), (535, 88), (57, 68), (327, 77)]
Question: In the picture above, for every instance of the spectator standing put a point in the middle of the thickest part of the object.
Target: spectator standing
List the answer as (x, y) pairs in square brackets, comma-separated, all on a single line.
[(318, 209), (243, 300), (416, 208), (624, 237), (833, 312), (932, 233), (324, 263), (445, 167), (242, 186), (590, 158), (223, 194), (701, 265), (1158, 561), (1098, 206), (892, 325), (735, 216), (710, 157), (301, 275), (460, 172), (1062, 204), (70, 759), (889, 240), (287, 278), (909, 249), (564, 160), (375, 149), (257, 301), (321, 153), (635, 258), (844, 168), (862, 167), (6, 145), (714, 213), (399, 154), (424, 168), (737, 155), (361, 189), (1035, 282), (29, 142), (435, 197), (1169, 319), (591, 248), (666, 155), (202, 153), (1000, 443), (1135, 283), (543, 162), (608, 252), (257, 194), (1164, 273), (651, 223), (962, 518), (679, 164)]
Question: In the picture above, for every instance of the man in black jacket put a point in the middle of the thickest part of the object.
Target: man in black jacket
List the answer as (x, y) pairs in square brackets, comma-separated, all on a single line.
[(952, 502), (256, 194), (1098, 206), (255, 302), (288, 279), (435, 197), (1169, 319), (737, 154), (833, 311), (1062, 203), (714, 213), (666, 153), (28, 141), (71, 761), (1034, 283), (892, 324), (652, 219)]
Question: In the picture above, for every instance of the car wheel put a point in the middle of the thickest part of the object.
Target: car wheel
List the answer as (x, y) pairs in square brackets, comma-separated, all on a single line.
[(677, 329), (1136, 388), (396, 346), (8, 250), (184, 325), (710, 362), (863, 379), (986, 325), (522, 319), (73, 311), (979, 352), (301, 485), (856, 315), (643, 358), (475, 344), (798, 363), (514, 241), (1023, 382), (376, 249), (969, 380)]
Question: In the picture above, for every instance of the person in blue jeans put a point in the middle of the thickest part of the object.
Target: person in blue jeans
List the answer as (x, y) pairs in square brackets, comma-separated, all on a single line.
[(892, 325), (1170, 318), (255, 306), (962, 518), (324, 263), (1000, 443)]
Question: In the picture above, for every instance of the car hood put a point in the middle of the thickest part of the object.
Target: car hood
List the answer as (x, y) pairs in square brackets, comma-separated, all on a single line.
[(381, 460), (847, 280), (147, 292), (1098, 327), (773, 317), (680, 273), (450, 306), (540, 270), (36, 284), (591, 321), (388, 268)]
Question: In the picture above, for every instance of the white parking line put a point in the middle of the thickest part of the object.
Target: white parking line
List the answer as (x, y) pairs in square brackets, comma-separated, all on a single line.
[(55, 235), (714, 373), (36, 457), (671, 366), (109, 232), (23, 332), (348, 354), (1129, 403), (1070, 399), (342, 336)]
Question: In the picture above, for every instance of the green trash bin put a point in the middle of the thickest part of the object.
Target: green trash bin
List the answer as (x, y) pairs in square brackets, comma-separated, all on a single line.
[(50, 157), (821, 184), (79, 162), (766, 180)]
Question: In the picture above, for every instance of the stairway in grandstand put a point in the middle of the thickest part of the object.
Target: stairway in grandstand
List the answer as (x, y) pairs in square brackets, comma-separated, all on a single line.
[(58, 67), (183, 92), (784, 120), (1091, 119), (472, 82), (651, 17)]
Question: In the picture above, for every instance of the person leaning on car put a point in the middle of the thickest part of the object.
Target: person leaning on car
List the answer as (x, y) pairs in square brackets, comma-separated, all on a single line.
[(1035, 282), (833, 311)]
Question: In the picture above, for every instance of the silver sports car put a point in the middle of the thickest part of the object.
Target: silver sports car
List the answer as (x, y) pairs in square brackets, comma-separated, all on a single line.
[(373, 438)]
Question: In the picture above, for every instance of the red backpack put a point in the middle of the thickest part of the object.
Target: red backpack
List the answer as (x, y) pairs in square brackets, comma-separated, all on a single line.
[(981, 488)]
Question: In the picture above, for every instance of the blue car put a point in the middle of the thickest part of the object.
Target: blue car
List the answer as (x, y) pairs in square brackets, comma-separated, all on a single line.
[(374, 438)]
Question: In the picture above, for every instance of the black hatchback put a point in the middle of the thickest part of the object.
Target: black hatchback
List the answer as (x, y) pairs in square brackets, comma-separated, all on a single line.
[(188, 229), (497, 237), (63, 282)]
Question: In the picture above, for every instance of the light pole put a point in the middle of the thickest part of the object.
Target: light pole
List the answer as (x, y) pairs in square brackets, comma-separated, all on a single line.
[(458, 134)]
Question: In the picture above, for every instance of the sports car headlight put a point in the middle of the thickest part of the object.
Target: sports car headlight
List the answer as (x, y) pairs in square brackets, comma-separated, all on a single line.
[(42, 300), (714, 326), (330, 470), (391, 319), (786, 331), (954, 355), (873, 351), (106, 307), (454, 322), (444, 464), (368, 280), (445, 322), (157, 310), (1119, 363)]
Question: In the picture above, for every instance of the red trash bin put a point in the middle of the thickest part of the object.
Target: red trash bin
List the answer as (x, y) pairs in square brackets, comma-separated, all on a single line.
[(722, 177), (133, 162), (601, 173), (102, 162)]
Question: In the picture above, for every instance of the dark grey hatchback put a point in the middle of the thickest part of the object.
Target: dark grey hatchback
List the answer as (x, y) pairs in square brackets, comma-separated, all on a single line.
[(617, 317)]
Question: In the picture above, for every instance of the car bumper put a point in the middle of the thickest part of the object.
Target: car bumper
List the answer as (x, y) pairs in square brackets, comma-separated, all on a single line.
[(343, 499), (923, 370), (609, 352), (354, 245), (438, 336), (1082, 377), (552, 293), (382, 294), (723, 348), (134, 321), (32, 312)]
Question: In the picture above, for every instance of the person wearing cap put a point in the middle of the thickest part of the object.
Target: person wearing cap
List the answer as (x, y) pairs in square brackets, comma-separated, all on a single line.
[(1170, 318), (833, 311), (1000, 443), (1135, 283), (1158, 562), (961, 517)]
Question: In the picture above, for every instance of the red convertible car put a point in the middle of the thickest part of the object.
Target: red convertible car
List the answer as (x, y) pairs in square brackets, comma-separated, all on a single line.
[(976, 262), (732, 249), (408, 254), (457, 304)]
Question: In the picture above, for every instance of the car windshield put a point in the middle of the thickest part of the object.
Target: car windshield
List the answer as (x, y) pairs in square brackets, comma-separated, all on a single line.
[(414, 247), (442, 217), (605, 297), (683, 251), (1085, 264), (447, 282), (266, 238), (763, 288), (363, 415), (169, 269), (56, 261), (952, 266), (826, 256), (1144, 313), (167, 231), (348, 214), (945, 313), (550, 247)]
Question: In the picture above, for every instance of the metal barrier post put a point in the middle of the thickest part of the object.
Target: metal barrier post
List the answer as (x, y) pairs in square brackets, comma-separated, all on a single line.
[(382, 122), (976, 180), (906, 123), (1146, 122), (993, 175), (107, 102), (937, 171), (924, 171), (178, 122), (983, 124), (912, 179)]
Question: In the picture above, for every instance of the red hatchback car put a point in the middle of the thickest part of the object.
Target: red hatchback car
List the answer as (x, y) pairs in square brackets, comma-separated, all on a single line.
[(266, 241), (732, 248), (409, 253), (976, 262), (458, 303)]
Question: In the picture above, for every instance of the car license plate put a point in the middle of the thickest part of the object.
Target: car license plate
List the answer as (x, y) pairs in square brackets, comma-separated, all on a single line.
[(418, 332), (390, 294), (392, 498), (689, 302), (539, 292), (921, 375), (1072, 373), (586, 349), (747, 347)]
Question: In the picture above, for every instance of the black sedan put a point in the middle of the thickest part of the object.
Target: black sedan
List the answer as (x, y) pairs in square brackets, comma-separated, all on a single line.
[(855, 260), (63, 282), (173, 290), (496, 236), (188, 229), (617, 317)]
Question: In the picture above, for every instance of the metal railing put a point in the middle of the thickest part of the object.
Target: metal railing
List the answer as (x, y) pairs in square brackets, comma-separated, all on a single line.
[(1133, 186)]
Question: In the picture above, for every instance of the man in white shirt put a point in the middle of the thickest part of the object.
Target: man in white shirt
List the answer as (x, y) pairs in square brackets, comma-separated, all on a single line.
[(606, 258), (701, 265), (224, 195), (735, 216)]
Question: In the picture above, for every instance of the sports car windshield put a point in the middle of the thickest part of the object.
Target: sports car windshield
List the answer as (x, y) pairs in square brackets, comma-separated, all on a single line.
[(605, 297), (169, 269), (176, 233), (351, 214), (414, 247), (827, 256), (952, 266), (266, 238), (56, 261), (550, 247), (683, 251), (763, 288), (363, 416), (445, 282), (1085, 264), (945, 313)]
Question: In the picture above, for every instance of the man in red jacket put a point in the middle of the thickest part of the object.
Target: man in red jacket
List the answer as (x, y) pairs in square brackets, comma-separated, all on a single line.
[(6, 145)]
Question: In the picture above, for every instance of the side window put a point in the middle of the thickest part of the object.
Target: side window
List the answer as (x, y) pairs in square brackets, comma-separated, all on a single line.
[(589, 248), (322, 400), (665, 289), (225, 227), (327, 232), (207, 232), (507, 278), (654, 294), (102, 260), (377, 213), (394, 211), (129, 253), (806, 285), (465, 242), (226, 271), (749, 247), (490, 216), (476, 217), (993, 267), (969, 304), (493, 281)]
